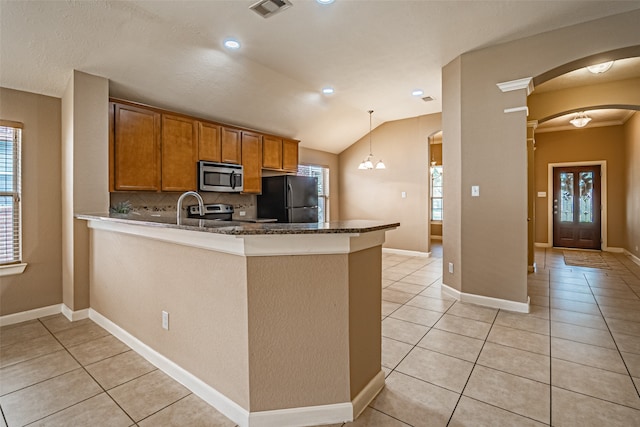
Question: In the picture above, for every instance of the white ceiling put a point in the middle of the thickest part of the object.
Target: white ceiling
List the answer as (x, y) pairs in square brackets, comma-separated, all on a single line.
[(169, 54)]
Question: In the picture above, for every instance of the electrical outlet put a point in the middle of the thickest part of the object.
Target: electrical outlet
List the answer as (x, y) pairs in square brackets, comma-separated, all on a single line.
[(636, 248), (451, 268), (403, 194), (242, 213), (165, 320)]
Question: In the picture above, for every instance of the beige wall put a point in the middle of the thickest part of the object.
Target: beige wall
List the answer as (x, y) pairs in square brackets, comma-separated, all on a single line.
[(271, 332), (376, 194), (581, 145), (548, 104), (493, 234), (205, 293), (41, 283), (85, 161), (632, 164), (330, 160)]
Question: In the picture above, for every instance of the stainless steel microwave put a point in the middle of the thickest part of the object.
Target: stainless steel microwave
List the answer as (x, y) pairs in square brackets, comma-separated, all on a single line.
[(220, 177)]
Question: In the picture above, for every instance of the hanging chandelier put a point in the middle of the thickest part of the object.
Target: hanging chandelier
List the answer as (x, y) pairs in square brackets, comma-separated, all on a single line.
[(367, 163), (580, 120)]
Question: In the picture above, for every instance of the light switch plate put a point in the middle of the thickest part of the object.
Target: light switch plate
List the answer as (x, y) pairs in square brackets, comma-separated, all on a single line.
[(475, 191), (542, 194)]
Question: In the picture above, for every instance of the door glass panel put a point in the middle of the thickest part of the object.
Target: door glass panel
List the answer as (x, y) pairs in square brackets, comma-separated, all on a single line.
[(566, 199), (586, 196)]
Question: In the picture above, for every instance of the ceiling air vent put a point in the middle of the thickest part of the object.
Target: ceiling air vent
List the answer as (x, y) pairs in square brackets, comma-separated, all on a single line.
[(428, 98), (267, 8)]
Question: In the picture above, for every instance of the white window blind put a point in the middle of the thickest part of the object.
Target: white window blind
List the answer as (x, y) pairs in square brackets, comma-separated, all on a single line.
[(10, 196), (322, 173)]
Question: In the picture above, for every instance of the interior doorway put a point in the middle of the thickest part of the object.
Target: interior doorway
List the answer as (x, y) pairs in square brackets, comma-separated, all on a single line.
[(577, 205), (435, 196)]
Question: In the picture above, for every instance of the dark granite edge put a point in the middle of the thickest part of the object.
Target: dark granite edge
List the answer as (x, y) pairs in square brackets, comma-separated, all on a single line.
[(245, 229)]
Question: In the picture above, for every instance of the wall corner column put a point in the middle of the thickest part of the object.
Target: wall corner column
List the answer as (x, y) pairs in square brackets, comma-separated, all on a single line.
[(84, 178)]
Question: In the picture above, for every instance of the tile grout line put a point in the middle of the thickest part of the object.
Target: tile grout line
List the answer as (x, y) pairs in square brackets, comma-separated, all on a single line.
[(616, 344), (88, 373)]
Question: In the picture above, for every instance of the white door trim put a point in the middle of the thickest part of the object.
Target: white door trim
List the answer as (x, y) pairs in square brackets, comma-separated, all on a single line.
[(603, 197)]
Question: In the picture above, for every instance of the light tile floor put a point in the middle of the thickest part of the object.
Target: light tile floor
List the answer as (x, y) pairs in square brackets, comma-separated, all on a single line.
[(573, 361)]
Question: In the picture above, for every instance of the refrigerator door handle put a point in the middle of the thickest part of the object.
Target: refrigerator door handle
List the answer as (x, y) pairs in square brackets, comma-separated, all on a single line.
[(289, 195)]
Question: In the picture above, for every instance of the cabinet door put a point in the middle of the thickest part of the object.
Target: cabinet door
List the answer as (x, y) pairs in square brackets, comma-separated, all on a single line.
[(136, 149), (252, 162), (209, 144), (231, 146), (179, 153), (271, 152), (290, 155)]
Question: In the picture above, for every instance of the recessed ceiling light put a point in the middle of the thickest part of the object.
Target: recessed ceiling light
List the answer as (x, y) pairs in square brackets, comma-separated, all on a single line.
[(325, 1), (232, 44), (417, 92), (328, 90), (600, 68)]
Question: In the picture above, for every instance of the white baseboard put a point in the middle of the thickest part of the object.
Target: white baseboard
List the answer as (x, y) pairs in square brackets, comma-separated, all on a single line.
[(74, 315), (308, 416), (303, 416), (613, 249), (406, 253), (542, 245), (520, 307), (24, 316), (634, 258)]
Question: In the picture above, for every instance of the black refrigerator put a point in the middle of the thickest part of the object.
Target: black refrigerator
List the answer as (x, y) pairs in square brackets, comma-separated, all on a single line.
[(289, 198)]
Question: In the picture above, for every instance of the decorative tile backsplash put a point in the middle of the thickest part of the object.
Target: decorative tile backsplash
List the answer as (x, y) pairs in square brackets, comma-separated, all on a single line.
[(148, 203)]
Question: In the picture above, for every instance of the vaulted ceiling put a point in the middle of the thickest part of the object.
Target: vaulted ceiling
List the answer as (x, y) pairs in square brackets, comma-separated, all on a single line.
[(170, 54)]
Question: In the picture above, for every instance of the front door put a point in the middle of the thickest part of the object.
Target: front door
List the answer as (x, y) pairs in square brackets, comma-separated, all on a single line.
[(576, 207)]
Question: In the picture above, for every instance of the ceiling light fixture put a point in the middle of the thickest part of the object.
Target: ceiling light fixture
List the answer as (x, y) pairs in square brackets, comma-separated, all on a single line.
[(417, 92), (368, 163), (328, 90), (600, 68), (580, 120), (232, 44), (325, 1)]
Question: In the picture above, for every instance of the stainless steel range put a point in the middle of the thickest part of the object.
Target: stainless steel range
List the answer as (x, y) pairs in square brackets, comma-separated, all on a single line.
[(215, 211)]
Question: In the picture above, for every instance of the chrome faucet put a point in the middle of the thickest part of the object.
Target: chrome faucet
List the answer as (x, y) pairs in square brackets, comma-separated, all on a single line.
[(181, 198)]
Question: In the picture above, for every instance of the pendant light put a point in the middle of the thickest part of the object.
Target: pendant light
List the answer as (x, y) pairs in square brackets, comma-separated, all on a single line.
[(368, 162), (580, 120)]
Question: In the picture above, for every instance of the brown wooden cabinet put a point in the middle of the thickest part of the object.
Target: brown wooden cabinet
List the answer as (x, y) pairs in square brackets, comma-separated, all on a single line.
[(231, 150), (290, 155), (209, 142), (252, 162), (271, 152), (135, 149), (179, 153)]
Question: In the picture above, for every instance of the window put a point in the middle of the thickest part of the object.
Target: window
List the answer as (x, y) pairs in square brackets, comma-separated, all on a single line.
[(10, 239), (436, 193), (322, 173)]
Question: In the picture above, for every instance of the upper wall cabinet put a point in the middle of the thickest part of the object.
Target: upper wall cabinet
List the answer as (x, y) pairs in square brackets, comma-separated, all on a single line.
[(209, 142), (279, 154), (252, 162), (157, 150), (271, 152), (290, 155), (231, 145), (134, 149), (179, 153)]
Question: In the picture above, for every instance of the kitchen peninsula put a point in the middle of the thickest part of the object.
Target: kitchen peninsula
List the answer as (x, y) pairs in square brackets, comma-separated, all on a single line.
[(273, 324)]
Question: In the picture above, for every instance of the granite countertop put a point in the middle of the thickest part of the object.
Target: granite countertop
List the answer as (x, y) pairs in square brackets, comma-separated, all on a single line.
[(241, 228)]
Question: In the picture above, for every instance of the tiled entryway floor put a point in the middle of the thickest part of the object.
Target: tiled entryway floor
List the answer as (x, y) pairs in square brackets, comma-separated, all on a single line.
[(573, 361)]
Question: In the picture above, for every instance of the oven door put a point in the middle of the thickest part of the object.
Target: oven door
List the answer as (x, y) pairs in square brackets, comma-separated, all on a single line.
[(220, 177)]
